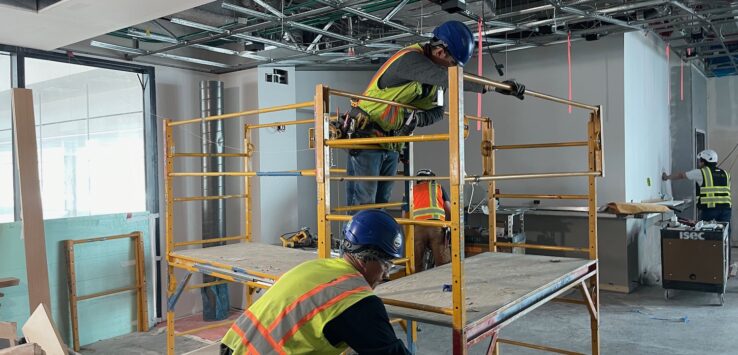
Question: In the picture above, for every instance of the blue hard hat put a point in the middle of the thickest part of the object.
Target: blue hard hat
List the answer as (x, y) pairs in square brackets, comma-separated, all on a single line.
[(458, 39), (375, 229)]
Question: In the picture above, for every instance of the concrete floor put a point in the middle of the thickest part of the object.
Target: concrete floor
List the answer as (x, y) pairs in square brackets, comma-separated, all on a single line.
[(642, 322)]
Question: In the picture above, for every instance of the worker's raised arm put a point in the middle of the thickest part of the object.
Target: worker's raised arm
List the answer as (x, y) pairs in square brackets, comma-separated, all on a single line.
[(416, 66), (675, 176)]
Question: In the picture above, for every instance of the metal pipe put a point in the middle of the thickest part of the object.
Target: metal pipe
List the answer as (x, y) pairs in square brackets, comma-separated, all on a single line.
[(368, 206), (388, 178), (418, 306), (201, 155), (269, 8), (207, 198), (541, 145), (102, 239), (542, 247), (372, 99), (107, 293), (484, 81), (401, 221), (205, 327), (317, 38), (322, 32), (543, 197), (380, 140), (206, 241), (531, 176), (244, 113), (278, 124), (537, 347), (205, 284), (395, 10)]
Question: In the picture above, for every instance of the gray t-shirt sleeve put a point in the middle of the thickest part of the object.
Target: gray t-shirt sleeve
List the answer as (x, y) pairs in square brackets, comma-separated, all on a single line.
[(416, 66)]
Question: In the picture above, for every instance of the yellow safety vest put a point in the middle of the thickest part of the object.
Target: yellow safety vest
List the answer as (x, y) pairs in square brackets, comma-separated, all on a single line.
[(715, 189), (428, 201), (289, 318), (388, 117)]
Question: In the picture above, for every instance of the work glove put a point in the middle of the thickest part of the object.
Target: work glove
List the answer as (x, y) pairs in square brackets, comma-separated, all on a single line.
[(516, 89), (429, 117)]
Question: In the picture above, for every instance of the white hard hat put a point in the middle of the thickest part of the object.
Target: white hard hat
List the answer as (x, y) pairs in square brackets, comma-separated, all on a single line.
[(708, 155)]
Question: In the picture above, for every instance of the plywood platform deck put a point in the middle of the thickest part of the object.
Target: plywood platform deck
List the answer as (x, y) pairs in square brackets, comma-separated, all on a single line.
[(255, 258), (498, 286)]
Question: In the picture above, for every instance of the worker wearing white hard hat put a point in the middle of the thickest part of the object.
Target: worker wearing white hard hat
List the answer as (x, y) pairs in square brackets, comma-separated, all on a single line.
[(713, 187)]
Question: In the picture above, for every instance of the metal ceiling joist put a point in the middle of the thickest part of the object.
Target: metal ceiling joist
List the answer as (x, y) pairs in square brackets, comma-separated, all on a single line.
[(135, 51)]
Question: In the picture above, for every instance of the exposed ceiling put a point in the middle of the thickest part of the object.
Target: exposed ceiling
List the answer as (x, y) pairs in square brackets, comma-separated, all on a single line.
[(51, 24), (231, 35)]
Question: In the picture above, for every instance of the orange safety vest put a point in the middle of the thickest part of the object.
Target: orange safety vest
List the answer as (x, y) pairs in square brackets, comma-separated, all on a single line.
[(428, 201)]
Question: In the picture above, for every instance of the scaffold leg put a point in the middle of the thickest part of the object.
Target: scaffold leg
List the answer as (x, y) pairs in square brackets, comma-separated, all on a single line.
[(173, 297), (410, 333)]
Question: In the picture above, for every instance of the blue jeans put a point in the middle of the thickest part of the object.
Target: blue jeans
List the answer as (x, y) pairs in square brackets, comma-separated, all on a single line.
[(377, 162)]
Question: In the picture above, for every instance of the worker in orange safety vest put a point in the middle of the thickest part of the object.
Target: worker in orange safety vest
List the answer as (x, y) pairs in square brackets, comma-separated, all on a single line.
[(430, 202)]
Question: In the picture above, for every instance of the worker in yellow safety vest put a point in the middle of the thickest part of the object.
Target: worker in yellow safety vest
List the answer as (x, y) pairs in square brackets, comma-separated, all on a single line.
[(713, 188), (430, 202), (411, 76), (324, 306)]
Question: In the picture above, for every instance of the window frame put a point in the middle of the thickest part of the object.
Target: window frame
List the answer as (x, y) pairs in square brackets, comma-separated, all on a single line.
[(151, 159)]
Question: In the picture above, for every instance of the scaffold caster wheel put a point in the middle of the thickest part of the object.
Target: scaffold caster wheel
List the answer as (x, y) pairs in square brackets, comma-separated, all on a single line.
[(721, 298), (666, 294)]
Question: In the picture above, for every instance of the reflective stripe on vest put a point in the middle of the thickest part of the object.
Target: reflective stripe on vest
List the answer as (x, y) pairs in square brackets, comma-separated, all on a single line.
[(715, 193), (387, 117), (291, 319), (428, 201)]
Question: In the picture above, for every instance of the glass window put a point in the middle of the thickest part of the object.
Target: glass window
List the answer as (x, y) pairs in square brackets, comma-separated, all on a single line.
[(6, 143), (90, 136)]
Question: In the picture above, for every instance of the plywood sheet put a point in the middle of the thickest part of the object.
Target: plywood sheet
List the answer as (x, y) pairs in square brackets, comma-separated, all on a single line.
[(263, 258), (40, 329), (493, 281), (32, 215)]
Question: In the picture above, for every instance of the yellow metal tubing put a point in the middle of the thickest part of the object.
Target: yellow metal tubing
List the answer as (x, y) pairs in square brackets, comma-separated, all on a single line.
[(543, 197), (311, 172), (283, 123), (206, 241), (531, 176), (541, 145), (206, 284), (537, 347), (367, 98), (418, 306), (243, 113), (380, 140), (107, 293), (496, 84), (402, 221), (542, 247), (205, 327), (203, 198), (368, 206), (205, 155), (400, 261), (100, 239)]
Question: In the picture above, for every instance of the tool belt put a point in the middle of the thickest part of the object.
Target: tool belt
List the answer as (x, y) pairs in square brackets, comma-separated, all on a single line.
[(357, 124)]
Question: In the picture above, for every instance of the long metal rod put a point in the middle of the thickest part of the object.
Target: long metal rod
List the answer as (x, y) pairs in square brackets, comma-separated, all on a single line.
[(541, 145), (107, 293), (205, 155), (101, 239), (418, 306), (244, 113), (388, 178), (205, 284), (484, 81), (531, 176), (537, 347), (372, 99), (206, 241), (205, 327), (205, 198), (381, 140), (279, 124), (395, 10), (401, 221), (543, 197), (541, 247), (368, 206)]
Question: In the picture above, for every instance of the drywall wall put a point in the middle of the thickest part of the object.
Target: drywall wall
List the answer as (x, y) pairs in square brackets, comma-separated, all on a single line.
[(352, 81), (100, 266), (178, 98), (722, 127), (647, 103), (597, 79)]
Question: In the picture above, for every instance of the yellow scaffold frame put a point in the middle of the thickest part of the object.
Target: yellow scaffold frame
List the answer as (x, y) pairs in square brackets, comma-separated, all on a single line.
[(325, 215)]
